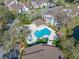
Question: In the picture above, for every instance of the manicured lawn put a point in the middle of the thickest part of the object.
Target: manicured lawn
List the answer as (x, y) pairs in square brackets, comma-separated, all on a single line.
[(75, 22), (71, 25)]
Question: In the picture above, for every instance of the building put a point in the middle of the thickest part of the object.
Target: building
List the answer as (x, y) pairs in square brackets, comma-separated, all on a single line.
[(27, 5), (16, 7), (19, 7), (49, 18), (39, 21), (10, 2), (42, 52), (39, 3), (53, 16)]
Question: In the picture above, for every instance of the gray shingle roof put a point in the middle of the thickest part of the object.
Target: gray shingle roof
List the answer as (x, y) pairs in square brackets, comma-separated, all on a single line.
[(39, 2), (8, 1), (41, 52), (39, 21), (15, 6)]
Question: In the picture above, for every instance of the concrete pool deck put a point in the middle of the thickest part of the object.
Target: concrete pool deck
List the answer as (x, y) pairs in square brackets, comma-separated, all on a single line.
[(34, 38)]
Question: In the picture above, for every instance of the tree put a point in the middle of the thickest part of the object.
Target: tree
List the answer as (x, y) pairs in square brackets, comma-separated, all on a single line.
[(1, 2), (5, 17), (24, 19), (70, 46), (59, 2)]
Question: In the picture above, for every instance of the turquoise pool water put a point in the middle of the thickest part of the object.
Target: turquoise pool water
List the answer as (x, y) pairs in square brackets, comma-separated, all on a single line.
[(42, 32)]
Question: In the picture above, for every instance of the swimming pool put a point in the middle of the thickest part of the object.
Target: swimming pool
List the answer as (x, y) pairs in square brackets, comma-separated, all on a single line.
[(42, 32)]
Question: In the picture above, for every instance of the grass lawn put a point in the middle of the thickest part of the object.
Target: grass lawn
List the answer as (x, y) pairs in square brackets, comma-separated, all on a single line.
[(75, 22), (72, 24)]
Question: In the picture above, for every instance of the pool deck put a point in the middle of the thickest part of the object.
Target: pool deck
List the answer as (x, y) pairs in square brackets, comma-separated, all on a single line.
[(34, 38)]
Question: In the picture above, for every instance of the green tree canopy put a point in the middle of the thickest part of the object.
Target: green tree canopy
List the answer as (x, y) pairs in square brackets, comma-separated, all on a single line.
[(24, 19), (5, 16)]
